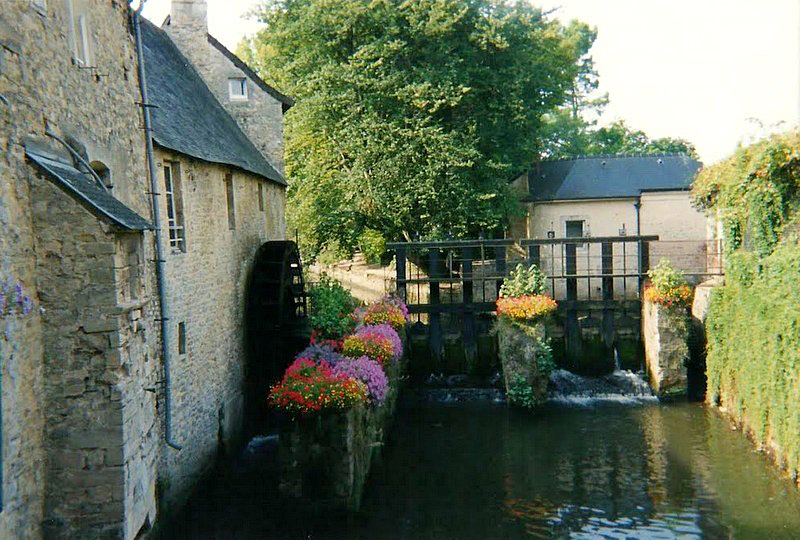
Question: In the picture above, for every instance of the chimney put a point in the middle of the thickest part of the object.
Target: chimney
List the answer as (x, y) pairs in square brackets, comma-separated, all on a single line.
[(189, 15)]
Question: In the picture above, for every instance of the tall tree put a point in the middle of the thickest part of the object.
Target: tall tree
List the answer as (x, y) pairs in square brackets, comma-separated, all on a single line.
[(410, 114)]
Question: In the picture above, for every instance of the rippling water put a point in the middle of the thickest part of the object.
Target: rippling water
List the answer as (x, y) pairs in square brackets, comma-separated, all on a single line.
[(484, 472)]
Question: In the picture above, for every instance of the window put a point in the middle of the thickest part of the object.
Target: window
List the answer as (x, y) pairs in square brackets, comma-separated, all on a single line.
[(260, 197), (574, 229), (81, 40), (230, 200), (237, 88), (172, 190), (181, 338)]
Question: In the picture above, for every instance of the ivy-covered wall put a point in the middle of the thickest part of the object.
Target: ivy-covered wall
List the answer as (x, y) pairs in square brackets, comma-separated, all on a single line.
[(753, 324)]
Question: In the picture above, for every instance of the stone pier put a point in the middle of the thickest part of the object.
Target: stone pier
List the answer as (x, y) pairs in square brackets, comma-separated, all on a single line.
[(666, 332)]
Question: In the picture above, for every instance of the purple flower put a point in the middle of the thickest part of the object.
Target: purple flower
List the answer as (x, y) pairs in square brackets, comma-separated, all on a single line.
[(367, 371), (393, 300), (18, 294), (384, 330), (321, 352)]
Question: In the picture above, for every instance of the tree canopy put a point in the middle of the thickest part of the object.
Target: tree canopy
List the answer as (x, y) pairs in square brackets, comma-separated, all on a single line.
[(411, 116)]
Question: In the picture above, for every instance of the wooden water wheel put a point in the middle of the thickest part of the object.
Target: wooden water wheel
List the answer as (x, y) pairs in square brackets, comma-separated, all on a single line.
[(276, 307)]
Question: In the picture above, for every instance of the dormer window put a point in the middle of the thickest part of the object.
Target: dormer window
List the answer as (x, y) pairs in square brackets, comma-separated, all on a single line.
[(237, 88)]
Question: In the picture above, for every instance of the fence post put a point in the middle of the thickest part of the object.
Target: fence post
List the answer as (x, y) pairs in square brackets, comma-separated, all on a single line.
[(500, 263), (470, 340), (435, 314), (571, 261), (608, 270), (534, 255), (400, 273)]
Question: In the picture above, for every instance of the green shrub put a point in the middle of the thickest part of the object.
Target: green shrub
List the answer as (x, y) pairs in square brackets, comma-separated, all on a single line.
[(331, 309), (664, 276), (372, 245), (523, 281), (753, 350)]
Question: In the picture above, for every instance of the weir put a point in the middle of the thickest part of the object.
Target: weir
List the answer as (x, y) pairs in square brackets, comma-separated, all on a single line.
[(451, 288)]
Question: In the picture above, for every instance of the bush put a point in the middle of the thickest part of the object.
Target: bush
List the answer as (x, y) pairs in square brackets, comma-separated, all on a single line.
[(321, 352), (390, 310), (367, 371), (372, 245), (753, 351), (523, 282), (381, 343), (667, 286), (331, 309), (309, 387)]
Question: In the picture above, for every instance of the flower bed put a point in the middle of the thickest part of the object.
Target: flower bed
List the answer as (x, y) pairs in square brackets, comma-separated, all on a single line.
[(339, 404)]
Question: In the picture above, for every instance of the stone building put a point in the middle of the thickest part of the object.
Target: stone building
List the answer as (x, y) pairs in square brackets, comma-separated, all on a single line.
[(84, 387), (608, 196), (222, 200)]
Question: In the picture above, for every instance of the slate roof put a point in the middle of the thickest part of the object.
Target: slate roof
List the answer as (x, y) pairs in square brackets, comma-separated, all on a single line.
[(85, 188), (187, 117), (604, 177)]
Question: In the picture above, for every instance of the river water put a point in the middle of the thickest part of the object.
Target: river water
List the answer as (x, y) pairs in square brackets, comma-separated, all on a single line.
[(483, 471)]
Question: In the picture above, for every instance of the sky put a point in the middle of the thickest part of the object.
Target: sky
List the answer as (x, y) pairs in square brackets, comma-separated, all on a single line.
[(715, 72)]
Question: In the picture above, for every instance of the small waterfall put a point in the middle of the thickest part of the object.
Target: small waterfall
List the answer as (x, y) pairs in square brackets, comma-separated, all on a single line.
[(621, 386)]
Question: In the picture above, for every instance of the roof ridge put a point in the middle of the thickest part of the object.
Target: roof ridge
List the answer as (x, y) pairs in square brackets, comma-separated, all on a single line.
[(617, 156)]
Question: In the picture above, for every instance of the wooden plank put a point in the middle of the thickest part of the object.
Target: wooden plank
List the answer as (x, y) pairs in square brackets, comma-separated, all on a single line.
[(400, 263), (470, 337), (591, 240), (436, 341), (451, 244), (607, 270), (477, 307)]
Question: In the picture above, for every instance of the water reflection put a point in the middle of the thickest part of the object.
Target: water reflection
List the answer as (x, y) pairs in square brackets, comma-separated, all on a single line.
[(486, 472), (608, 472)]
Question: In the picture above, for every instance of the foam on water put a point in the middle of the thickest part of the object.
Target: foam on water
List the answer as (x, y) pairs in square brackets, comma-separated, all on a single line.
[(621, 386)]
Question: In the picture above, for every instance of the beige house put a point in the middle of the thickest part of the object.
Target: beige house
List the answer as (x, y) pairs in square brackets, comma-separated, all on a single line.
[(122, 375), (609, 196)]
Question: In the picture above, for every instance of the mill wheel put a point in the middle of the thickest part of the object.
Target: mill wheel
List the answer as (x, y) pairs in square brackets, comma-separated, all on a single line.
[(276, 305)]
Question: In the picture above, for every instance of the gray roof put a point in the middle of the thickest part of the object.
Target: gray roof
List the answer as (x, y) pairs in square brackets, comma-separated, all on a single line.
[(187, 117), (604, 177), (85, 188)]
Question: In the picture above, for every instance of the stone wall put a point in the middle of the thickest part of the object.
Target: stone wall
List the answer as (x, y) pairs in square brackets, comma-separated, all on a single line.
[(72, 375), (206, 294), (666, 333), (259, 115)]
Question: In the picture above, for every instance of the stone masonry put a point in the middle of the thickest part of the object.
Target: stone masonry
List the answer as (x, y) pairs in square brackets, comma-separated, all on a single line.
[(260, 114), (83, 447), (206, 294), (79, 432), (666, 347)]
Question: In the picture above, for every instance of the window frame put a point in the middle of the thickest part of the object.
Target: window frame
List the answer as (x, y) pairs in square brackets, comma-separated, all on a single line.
[(242, 86), (260, 197), (230, 199), (176, 226)]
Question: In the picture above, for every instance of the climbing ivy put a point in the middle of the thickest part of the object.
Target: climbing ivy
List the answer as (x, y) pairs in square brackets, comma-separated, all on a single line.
[(754, 192), (753, 323)]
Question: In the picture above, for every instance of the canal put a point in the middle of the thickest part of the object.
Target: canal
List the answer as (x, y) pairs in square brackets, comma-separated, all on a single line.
[(483, 471)]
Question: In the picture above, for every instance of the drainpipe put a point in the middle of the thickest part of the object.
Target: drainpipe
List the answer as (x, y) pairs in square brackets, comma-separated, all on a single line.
[(166, 334), (638, 206)]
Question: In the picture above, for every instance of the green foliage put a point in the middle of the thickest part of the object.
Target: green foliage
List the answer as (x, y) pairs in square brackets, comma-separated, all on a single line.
[(665, 277), (753, 360), (523, 281), (372, 245), (523, 394), (568, 135), (331, 309), (755, 192), (410, 116)]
